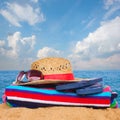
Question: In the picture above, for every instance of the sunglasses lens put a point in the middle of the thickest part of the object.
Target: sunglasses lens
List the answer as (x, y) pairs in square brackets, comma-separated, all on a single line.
[(34, 75), (20, 76)]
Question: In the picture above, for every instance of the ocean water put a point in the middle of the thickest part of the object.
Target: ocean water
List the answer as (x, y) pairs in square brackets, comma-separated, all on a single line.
[(111, 78)]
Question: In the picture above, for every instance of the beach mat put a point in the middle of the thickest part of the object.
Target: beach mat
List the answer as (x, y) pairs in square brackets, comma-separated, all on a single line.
[(21, 96)]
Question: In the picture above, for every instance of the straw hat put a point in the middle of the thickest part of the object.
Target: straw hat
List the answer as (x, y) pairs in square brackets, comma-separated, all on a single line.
[(55, 70)]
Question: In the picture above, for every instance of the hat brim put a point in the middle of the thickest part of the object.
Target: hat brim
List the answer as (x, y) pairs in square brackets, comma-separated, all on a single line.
[(48, 81)]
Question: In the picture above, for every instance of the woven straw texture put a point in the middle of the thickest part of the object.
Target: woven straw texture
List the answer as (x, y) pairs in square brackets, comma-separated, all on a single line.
[(52, 66)]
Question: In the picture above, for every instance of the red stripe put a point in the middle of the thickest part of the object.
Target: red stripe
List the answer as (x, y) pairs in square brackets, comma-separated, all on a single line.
[(68, 76), (59, 98), (107, 89)]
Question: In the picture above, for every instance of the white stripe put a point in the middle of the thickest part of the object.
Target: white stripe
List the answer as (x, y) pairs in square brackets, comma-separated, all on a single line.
[(54, 102)]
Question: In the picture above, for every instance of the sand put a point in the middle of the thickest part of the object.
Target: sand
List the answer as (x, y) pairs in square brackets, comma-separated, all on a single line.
[(58, 113)]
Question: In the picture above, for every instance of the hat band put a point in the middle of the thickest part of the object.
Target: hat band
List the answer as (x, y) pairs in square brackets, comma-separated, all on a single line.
[(68, 76)]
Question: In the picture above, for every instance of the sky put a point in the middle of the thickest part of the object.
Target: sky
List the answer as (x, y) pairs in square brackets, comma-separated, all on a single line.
[(86, 32)]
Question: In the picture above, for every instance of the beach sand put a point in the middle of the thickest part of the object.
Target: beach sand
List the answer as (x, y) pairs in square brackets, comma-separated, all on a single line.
[(58, 113)]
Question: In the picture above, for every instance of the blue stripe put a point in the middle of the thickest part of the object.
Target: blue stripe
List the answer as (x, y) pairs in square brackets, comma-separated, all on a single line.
[(53, 92), (37, 90)]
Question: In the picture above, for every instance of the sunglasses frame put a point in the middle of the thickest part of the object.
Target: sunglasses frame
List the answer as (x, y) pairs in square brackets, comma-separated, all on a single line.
[(29, 75)]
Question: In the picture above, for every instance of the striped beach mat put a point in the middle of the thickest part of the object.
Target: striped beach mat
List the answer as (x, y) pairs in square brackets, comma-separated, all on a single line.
[(24, 96)]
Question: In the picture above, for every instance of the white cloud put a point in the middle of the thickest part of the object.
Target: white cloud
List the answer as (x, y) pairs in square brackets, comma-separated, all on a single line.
[(30, 41), (16, 13), (10, 17), (111, 11), (17, 46), (2, 45), (34, 1), (48, 52), (111, 6), (104, 42), (90, 23), (2, 42), (109, 3), (96, 63), (17, 52), (99, 46)]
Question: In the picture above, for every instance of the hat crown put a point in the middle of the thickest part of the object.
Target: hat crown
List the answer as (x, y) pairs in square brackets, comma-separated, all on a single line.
[(52, 65)]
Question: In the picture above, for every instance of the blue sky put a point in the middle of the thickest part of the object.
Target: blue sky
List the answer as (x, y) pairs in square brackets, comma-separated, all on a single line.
[(87, 32)]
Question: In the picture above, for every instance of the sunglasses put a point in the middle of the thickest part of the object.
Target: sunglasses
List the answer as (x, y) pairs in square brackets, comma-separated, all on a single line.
[(30, 75)]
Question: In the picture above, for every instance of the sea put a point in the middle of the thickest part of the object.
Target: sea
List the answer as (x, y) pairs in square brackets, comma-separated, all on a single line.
[(110, 77)]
